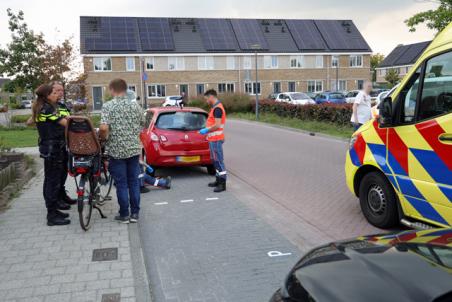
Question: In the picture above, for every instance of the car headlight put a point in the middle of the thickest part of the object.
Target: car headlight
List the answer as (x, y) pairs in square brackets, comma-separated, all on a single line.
[(352, 142)]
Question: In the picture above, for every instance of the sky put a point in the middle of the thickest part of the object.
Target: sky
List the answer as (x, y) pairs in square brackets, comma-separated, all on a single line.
[(380, 21)]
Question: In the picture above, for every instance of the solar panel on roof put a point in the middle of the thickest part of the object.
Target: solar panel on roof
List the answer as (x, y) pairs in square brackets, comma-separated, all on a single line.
[(249, 33), (341, 35), (217, 34), (392, 58), (411, 54), (306, 35), (112, 34), (155, 34)]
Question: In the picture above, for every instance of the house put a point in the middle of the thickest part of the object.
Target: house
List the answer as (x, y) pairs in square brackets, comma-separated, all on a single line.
[(402, 58), (159, 57)]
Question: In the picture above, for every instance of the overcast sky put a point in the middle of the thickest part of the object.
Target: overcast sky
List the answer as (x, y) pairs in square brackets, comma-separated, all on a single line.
[(380, 21)]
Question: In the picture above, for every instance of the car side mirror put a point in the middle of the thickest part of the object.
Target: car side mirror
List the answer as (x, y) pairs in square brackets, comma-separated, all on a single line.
[(385, 112)]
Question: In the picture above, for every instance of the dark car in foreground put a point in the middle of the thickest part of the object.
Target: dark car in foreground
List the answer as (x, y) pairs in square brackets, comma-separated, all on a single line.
[(411, 266)]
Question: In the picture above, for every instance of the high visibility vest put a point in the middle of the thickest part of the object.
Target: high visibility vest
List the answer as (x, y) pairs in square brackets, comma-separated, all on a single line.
[(218, 134)]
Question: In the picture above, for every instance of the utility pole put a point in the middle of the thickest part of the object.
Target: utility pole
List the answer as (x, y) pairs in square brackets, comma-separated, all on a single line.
[(256, 47)]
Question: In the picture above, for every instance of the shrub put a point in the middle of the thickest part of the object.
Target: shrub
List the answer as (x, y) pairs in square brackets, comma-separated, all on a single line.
[(20, 119)]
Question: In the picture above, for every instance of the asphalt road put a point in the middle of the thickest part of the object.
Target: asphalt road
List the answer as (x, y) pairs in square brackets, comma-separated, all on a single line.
[(286, 194)]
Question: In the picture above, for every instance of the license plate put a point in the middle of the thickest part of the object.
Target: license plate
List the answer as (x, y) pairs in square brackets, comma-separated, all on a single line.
[(188, 159)]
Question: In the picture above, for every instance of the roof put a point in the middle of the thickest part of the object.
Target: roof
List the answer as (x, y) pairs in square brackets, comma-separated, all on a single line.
[(365, 268), (128, 35), (404, 55)]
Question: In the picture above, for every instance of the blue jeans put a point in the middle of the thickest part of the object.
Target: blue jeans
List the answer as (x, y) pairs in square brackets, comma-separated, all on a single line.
[(216, 154), (148, 179), (125, 174)]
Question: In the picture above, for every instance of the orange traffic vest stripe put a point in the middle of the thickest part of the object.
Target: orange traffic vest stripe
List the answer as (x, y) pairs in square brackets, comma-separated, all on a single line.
[(218, 134)]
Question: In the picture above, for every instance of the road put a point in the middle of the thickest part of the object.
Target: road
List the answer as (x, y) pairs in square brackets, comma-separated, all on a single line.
[(286, 194)]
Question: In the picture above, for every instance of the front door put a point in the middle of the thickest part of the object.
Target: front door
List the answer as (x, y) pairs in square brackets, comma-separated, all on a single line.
[(183, 88), (420, 148), (97, 97)]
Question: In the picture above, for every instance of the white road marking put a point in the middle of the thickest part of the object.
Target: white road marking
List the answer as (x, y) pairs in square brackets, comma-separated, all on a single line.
[(160, 203), (186, 200), (277, 254), (212, 198)]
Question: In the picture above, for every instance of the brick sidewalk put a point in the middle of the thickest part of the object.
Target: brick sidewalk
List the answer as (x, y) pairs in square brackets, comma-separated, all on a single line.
[(41, 263)]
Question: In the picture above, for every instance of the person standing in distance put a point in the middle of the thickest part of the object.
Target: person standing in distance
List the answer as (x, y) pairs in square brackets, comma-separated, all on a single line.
[(215, 135), (362, 107)]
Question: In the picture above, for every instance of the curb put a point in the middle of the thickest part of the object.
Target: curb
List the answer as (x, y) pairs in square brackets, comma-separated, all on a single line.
[(140, 276)]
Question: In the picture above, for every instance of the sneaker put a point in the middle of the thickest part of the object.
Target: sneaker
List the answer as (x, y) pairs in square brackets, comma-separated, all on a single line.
[(56, 220), (168, 183), (144, 190), (61, 205), (61, 214), (134, 218), (122, 219)]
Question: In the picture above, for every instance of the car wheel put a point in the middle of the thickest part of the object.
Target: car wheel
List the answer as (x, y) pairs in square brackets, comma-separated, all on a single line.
[(378, 201), (211, 170)]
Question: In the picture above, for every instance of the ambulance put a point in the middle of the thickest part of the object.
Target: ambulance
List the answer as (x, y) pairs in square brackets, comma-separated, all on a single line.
[(400, 165)]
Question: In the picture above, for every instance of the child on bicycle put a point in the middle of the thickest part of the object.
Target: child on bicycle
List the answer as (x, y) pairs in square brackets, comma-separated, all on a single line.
[(146, 178)]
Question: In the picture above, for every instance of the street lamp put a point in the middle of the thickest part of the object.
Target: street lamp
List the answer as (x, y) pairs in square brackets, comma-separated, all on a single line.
[(256, 47)]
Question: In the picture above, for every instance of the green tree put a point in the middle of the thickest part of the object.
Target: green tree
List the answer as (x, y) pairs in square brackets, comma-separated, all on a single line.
[(436, 19), (392, 77), (22, 58), (375, 60)]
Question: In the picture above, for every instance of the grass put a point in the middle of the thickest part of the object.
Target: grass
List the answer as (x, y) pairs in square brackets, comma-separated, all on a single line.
[(18, 137), (311, 126), (20, 118)]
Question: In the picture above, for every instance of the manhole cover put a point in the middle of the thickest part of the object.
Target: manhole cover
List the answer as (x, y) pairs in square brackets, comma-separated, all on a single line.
[(111, 298), (107, 254)]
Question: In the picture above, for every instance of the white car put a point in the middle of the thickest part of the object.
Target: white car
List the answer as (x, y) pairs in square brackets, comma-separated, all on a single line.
[(350, 96), (172, 100), (296, 98), (26, 104), (381, 97)]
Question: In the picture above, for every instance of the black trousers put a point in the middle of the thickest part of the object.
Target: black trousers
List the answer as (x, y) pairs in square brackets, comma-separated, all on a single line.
[(54, 173), (64, 176)]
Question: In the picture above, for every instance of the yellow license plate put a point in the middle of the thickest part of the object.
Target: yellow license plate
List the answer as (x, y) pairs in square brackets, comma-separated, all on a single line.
[(188, 159)]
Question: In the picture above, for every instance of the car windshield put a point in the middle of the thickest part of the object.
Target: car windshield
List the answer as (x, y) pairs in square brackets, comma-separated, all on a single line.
[(336, 96), (181, 120), (299, 96)]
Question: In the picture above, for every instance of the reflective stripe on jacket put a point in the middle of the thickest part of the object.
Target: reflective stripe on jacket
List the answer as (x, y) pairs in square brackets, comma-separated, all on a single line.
[(218, 134)]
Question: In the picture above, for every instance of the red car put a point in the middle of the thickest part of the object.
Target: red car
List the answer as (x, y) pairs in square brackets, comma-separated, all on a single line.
[(170, 138)]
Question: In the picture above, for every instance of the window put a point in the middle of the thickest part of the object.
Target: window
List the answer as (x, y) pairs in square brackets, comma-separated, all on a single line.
[(225, 87), (291, 86), (315, 86), (130, 64), (270, 62), (200, 89), (318, 61), (149, 63), (296, 61), (360, 84), (436, 94), (276, 87), (132, 87), (102, 64), (408, 96), (176, 63), (342, 85), (334, 61), (356, 61), (205, 63), (247, 62), (251, 88), (156, 91), (230, 62), (181, 120)]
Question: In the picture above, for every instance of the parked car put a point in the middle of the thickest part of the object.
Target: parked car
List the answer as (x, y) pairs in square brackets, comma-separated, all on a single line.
[(272, 96), (350, 96), (380, 98), (374, 268), (25, 104), (170, 138), (297, 98), (312, 95), (172, 100), (330, 97)]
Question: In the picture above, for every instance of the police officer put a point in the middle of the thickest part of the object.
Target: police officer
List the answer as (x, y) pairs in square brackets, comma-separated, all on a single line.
[(63, 110), (51, 128), (215, 135)]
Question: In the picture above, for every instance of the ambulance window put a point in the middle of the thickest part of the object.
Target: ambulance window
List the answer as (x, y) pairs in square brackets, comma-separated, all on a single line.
[(437, 89), (408, 96)]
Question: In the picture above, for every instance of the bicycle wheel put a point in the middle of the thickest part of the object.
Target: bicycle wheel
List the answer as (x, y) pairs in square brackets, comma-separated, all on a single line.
[(85, 202), (105, 182)]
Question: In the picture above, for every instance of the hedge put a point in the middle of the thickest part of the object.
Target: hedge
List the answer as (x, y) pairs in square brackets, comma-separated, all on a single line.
[(338, 114)]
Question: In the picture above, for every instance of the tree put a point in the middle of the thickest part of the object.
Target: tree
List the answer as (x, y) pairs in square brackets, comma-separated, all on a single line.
[(22, 59), (375, 61), (392, 77), (436, 19)]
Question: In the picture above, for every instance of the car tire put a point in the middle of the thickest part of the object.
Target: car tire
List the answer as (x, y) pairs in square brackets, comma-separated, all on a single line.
[(211, 170), (378, 201)]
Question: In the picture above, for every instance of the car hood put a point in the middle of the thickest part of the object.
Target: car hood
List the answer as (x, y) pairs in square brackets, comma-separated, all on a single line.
[(411, 266)]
